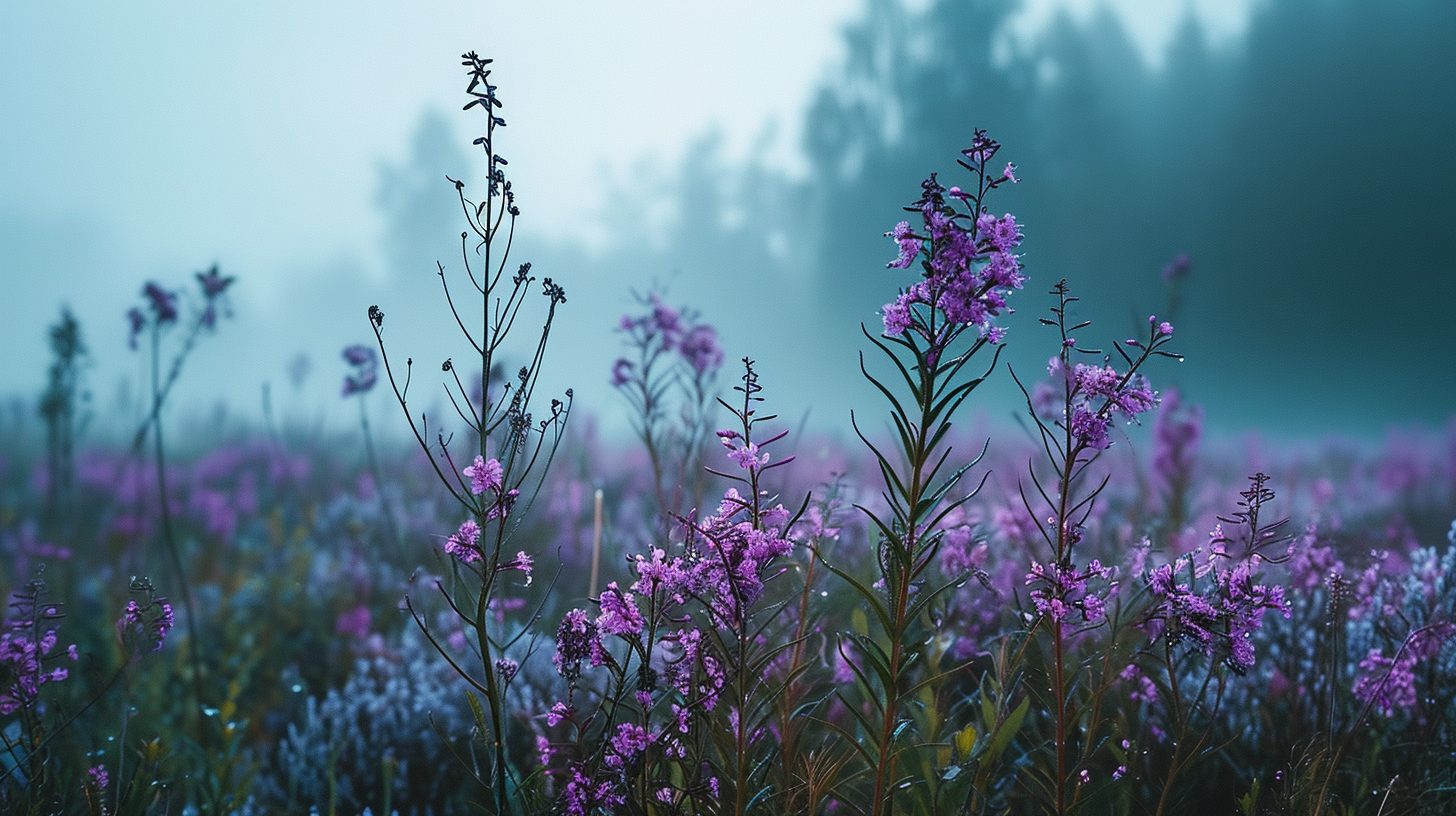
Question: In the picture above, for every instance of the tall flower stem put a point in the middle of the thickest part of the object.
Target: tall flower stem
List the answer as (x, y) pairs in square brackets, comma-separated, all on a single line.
[(1090, 397), (511, 451), (969, 267), (179, 573), (384, 508)]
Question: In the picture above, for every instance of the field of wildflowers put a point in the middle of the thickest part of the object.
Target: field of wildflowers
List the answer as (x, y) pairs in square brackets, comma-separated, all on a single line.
[(1096, 613)]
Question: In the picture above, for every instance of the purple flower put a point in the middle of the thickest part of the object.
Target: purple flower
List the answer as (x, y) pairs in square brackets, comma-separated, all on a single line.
[(621, 372), (630, 740), (575, 641), (1146, 691), (97, 776), (1310, 565), (163, 302), (666, 321), (365, 362), (1096, 381), (522, 562), (1222, 617), (1177, 268), (897, 316), (145, 626), (464, 544), (137, 321), (558, 713), (484, 474), (969, 265), (1090, 428), (213, 283), (355, 622), (507, 669), (1005, 235), (1389, 684), (748, 457), (1176, 434), (503, 505), (620, 615), (1060, 590), (360, 354), (699, 347), (909, 245)]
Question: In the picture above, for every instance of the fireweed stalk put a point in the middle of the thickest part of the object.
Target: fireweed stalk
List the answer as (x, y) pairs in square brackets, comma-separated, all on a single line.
[(161, 314), (29, 662), (1211, 615), (1073, 416), (931, 331), (363, 375), (687, 654), (492, 482), (672, 359), (61, 407)]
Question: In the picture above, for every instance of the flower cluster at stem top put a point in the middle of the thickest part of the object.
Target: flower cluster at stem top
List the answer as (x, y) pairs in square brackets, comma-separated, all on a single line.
[(968, 258)]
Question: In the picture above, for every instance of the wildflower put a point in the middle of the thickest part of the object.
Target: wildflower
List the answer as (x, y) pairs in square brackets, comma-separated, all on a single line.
[(1177, 268), (464, 544), (97, 776), (138, 321), (969, 264), (1389, 684), (163, 302), (365, 374), (897, 316), (748, 457), (507, 669), (355, 622), (1311, 565), (1146, 691), (559, 711), (1061, 590), (575, 640), (1222, 618), (522, 562), (1176, 435), (700, 349), (620, 615), (909, 245), (504, 503), (484, 474), (629, 741), (1090, 428), (213, 283), (665, 321), (621, 371), (145, 625)]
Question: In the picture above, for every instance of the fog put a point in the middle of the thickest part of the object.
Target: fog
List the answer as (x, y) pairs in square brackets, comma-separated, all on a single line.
[(1298, 153)]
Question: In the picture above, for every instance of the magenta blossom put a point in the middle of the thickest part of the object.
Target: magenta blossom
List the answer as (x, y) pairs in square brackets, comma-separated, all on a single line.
[(484, 474)]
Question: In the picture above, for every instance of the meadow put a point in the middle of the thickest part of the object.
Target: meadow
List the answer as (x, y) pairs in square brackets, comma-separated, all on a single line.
[(1097, 610)]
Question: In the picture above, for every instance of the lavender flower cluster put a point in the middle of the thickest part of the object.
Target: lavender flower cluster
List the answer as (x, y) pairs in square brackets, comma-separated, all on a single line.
[(968, 258)]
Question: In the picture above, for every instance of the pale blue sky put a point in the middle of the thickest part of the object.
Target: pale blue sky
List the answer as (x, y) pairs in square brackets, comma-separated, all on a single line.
[(148, 140)]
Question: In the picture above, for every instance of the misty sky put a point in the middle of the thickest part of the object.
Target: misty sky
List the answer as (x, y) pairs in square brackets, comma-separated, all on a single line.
[(149, 142)]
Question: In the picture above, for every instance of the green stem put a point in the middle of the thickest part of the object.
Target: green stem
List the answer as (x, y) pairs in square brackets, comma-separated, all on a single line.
[(384, 508), (194, 644)]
